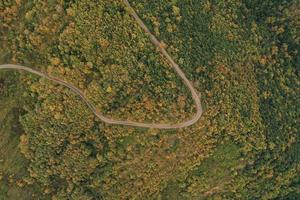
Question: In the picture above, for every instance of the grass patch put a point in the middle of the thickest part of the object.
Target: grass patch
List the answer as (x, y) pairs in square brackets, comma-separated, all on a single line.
[(209, 177), (13, 165)]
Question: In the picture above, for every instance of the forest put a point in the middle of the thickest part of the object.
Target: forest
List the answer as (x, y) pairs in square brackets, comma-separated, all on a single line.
[(242, 56)]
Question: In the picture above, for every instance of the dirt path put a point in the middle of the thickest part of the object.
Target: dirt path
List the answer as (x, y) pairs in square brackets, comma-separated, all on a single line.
[(172, 63)]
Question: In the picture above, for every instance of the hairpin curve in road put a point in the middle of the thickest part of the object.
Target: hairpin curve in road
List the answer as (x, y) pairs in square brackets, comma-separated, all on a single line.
[(162, 50)]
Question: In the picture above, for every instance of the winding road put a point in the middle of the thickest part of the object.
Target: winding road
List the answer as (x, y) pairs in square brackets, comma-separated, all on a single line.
[(162, 50)]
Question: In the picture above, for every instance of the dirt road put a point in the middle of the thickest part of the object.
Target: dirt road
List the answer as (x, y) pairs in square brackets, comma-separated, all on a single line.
[(172, 63)]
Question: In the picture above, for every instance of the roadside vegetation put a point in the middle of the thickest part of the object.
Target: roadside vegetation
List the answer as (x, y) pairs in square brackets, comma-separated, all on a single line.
[(13, 165), (241, 55)]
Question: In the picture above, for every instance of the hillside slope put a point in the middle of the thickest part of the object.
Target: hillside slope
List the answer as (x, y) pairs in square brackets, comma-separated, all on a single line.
[(242, 56)]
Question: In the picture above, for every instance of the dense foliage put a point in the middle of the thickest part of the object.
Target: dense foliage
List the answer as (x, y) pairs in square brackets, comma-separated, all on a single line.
[(241, 55)]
